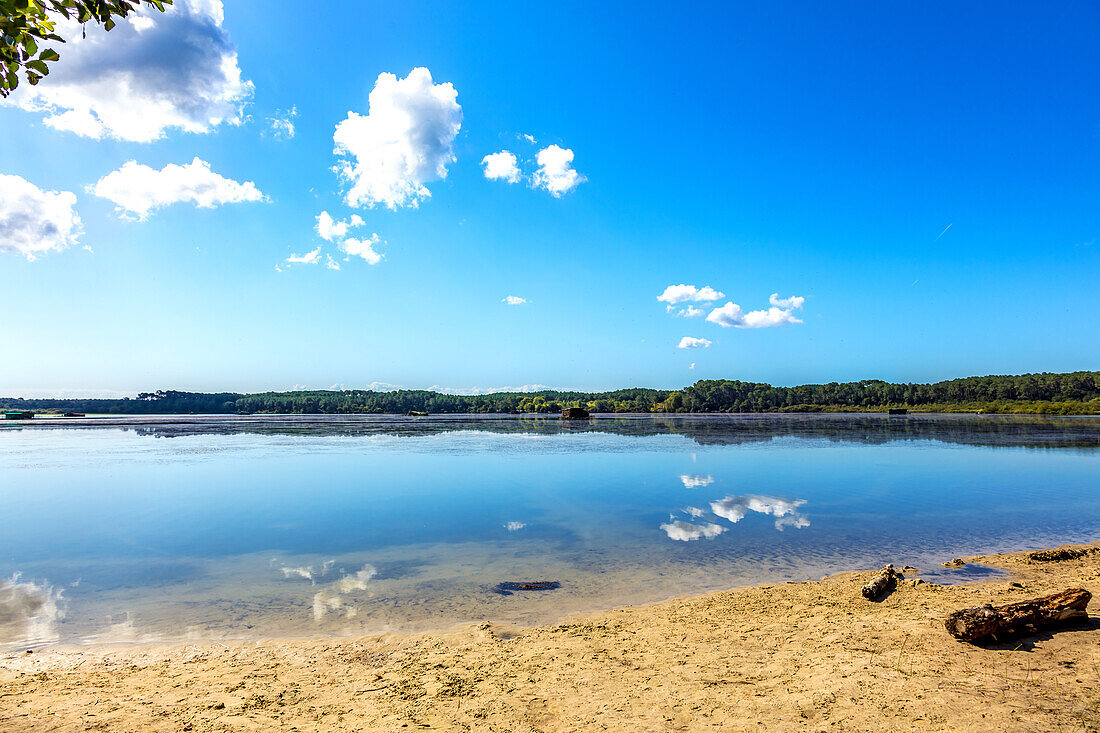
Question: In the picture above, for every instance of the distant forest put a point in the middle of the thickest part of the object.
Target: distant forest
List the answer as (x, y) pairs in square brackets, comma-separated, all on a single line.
[(1075, 393)]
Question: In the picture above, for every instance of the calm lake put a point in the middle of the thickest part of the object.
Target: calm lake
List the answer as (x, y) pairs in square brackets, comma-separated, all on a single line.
[(142, 529)]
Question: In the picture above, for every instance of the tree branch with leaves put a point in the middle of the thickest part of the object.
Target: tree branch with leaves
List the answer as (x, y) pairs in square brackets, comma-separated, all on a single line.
[(27, 25)]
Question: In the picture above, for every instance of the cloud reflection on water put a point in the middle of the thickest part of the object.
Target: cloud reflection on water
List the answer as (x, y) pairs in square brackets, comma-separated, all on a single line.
[(687, 532), (29, 612), (331, 601), (734, 509)]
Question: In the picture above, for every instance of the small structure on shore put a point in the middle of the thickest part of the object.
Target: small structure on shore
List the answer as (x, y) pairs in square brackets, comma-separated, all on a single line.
[(74, 414), (574, 413), (898, 411), (416, 413), (18, 415)]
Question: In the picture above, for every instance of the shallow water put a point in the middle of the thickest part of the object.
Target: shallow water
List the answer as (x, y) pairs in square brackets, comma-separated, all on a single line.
[(141, 529)]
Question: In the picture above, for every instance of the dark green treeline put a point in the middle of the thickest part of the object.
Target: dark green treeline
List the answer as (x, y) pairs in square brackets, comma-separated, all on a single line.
[(1070, 393)]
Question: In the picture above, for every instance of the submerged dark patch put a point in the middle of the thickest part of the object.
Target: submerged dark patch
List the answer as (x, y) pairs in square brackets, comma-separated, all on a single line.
[(508, 587)]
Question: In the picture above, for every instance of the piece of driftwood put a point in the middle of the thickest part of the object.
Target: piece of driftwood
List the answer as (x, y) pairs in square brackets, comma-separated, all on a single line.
[(881, 583), (974, 624)]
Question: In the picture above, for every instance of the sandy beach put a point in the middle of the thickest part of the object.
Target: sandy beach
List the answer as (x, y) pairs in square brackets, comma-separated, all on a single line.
[(794, 656)]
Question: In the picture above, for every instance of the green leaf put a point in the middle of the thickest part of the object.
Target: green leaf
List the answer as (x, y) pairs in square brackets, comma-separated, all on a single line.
[(48, 55), (33, 78)]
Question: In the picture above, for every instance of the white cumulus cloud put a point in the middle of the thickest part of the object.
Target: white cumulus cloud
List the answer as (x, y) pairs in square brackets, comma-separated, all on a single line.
[(687, 532), (405, 140), (689, 312), (362, 248), (153, 72), (690, 342), (309, 258), (33, 221), (795, 301), (555, 172), (501, 166), (513, 300), (137, 190), (683, 293), (731, 315), (515, 526), (329, 229)]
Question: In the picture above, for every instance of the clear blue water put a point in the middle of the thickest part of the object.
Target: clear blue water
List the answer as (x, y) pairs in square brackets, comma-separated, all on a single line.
[(188, 528)]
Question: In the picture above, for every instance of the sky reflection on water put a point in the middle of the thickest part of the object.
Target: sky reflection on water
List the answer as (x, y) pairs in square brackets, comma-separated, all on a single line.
[(228, 527)]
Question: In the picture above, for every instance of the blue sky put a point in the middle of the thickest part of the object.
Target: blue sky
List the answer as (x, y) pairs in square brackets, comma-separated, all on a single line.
[(925, 178)]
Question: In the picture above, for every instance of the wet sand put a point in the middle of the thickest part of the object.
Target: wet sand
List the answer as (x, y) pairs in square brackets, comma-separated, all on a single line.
[(793, 656)]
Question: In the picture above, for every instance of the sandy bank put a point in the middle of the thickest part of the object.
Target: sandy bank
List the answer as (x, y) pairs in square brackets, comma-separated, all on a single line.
[(796, 656)]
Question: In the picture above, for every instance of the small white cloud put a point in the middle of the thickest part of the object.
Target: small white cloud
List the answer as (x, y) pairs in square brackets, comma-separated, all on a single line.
[(691, 366), (362, 248), (138, 190), (281, 125), (683, 293), (501, 167), (690, 342), (329, 229), (529, 138), (731, 315), (694, 511), (309, 258), (555, 172), (405, 140), (513, 300), (692, 481), (488, 390), (153, 72), (331, 263), (689, 312), (795, 301), (33, 221), (383, 387), (687, 532), (514, 526)]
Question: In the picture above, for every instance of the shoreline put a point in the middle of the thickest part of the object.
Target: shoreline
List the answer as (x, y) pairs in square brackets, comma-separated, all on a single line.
[(790, 656)]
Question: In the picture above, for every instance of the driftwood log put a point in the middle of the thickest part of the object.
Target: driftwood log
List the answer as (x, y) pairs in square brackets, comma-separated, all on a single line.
[(974, 624), (881, 583)]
